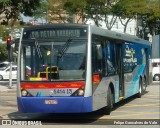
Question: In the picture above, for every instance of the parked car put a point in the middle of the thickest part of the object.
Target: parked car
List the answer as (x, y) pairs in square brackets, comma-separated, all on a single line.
[(5, 64), (4, 73), (156, 69)]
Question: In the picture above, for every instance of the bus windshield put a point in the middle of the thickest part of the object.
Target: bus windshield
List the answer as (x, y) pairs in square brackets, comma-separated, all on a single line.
[(53, 60)]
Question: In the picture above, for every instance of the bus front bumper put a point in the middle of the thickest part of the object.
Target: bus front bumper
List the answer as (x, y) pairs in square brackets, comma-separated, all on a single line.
[(54, 104)]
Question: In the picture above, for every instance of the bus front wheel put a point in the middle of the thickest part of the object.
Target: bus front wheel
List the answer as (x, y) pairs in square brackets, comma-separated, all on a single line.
[(110, 98)]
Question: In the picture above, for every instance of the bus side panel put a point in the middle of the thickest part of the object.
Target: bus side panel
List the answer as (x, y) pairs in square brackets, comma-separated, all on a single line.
[(134, 59), (54, 104), (133, 87), (100, 92)]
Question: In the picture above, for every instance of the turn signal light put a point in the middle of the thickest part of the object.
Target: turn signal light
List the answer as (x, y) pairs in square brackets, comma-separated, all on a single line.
[(96, 78)]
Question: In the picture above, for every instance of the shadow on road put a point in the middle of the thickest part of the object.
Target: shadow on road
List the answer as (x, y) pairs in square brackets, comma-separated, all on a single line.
[(69, 118), (126, 101)]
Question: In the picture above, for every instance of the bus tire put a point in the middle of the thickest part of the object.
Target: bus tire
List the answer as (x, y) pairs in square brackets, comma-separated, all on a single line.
[(144, 85), (110, 97), (139, 94)]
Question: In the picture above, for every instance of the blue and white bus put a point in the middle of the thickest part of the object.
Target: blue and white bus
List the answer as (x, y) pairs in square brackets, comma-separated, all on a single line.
[(79, 68)]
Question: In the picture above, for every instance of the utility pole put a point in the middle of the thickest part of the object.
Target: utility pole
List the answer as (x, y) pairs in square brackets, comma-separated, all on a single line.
[(10, 56)]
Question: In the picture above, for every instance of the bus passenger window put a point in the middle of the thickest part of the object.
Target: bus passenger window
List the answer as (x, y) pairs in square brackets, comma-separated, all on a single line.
[(97, 58), (111, 69), (110, 58)]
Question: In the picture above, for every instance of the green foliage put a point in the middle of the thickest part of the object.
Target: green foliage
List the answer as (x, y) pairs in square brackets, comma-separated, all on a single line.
[(3, 32), (41, 11), (56, 11), (12, 9), (91, 9), (3, 52), (124, 9), (76, 7), (150, 9), (28, 8)]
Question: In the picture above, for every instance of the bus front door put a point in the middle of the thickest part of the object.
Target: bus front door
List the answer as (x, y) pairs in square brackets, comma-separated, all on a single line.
[(119, 59)]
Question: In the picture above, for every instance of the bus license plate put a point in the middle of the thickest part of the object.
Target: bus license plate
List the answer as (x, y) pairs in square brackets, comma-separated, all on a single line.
[(62, 91)]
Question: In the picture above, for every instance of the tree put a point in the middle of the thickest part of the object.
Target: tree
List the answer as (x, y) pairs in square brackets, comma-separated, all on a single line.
[(41, 12), (77, 8), (56, 12), (101, 11), (120, 9), (96, 10), (153, 17), (3, 52), (11, 9), (146, 11)]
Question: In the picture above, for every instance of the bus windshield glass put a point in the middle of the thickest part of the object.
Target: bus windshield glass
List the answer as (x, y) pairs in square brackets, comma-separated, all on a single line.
[(53, 60)]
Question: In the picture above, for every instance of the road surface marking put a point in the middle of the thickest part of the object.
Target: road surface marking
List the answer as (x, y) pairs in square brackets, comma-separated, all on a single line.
[(8, 107), (148, 99), (140, 105), (8, 96), (129, 115), (149, 95), (126, 112)]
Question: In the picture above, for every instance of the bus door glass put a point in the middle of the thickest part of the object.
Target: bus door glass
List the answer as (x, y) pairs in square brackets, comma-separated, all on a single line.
[(119, 61), (98, 59)]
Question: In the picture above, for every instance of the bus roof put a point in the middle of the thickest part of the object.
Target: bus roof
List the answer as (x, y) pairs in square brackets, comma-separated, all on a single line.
[(118, 35), (45, 26), (94, 29)]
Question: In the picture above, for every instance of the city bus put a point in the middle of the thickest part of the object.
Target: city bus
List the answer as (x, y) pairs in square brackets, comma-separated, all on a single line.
[(79, 68)]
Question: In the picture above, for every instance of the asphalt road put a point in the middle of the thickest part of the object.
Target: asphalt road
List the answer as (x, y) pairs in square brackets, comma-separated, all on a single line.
[(133, 110)]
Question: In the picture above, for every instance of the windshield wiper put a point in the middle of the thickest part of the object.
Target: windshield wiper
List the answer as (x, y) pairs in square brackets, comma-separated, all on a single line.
[(64, 49)]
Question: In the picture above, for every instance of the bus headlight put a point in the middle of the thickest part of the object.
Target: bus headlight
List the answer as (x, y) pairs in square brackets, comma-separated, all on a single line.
[(24, 93), (80, 92)]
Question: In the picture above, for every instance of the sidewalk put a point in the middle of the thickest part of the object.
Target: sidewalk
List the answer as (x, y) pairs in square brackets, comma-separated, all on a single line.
[(4, 88)]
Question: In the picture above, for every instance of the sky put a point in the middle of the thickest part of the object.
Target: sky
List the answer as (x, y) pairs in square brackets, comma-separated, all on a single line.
[(31, 19)]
